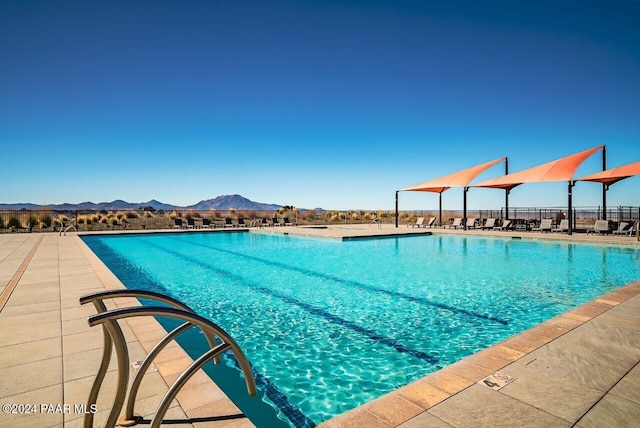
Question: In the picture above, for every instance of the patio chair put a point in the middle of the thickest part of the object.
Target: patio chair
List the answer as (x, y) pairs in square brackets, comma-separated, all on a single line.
[(264, 223), (489, 224), (191, 223), (206, 223), (275, 222), (506, 225), (601, 227), (241, 222), (457, 223), (228, 222), (419, 222), (177, 223), (545, 226), (431, 223), (287, 222), (625, 228), (470, 223), (562, 227)]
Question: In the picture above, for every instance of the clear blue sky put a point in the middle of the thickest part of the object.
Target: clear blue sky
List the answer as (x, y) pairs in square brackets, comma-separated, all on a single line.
[(327, 104)]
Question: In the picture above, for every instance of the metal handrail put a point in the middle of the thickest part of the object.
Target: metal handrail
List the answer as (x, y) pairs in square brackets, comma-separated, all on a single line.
[(113, 337)]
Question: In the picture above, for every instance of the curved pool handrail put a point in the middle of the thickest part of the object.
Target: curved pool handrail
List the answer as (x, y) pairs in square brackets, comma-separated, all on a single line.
[(113, 337)]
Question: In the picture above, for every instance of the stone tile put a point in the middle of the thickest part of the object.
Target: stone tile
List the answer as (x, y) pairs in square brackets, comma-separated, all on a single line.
[(79, 342), (468, 371), (611, 411), (47, 395), (85, 364), (556, 327), (222, 413), (356, 418), (422, 394), (629, 386), (526, 341), (33, 320), (425, 419), (193, 396), (31, 377), (12, 310), (540, 387), (483, 407), (591, 309), (393, 409), (447, 381), (488, 360), (27, 352), (26, 333)]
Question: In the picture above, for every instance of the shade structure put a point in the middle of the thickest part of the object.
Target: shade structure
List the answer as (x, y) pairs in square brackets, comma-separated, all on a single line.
[(457, 179), (613, 175), (561, 169), (558, 170)]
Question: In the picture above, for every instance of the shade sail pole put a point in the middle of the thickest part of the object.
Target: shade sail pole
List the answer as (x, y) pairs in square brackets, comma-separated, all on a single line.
[(397, 209), (440, 209), (506, 191), (604, 186), (570, 208), (464, 208)]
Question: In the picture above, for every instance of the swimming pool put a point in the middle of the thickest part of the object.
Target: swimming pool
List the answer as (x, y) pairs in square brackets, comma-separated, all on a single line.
[(330, 325)]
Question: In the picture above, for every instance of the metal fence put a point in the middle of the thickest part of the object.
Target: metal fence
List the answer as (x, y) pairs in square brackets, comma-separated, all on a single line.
[(46, 220)]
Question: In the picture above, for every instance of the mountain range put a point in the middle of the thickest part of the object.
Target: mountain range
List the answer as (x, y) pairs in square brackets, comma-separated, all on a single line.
[(222, 202)]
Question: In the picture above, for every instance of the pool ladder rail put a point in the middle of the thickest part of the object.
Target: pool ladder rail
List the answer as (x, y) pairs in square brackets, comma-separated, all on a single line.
[(219, 342)]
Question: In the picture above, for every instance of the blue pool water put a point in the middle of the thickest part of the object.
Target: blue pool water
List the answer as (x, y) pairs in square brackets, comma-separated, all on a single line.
[(329, 325)]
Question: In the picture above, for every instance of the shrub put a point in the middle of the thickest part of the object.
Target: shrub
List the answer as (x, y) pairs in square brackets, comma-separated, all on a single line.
[(14, 223), (1, 222), (45, 219), (132, 215), (31, 222)]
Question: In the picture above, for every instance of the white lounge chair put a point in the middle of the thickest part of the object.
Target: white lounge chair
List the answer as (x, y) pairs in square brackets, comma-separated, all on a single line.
[(419, 222), (489, 224), (627, 230), (431, 222), (601, 226), (545, 226), (562, 227), (506, 224), (457, 223), (470, 223)]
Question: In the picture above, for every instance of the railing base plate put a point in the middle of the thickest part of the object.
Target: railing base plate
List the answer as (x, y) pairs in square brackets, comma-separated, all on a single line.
[(124, 422)]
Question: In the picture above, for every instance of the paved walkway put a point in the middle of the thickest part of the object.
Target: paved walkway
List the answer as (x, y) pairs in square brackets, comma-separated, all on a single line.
[(578, 369), (49, 355)]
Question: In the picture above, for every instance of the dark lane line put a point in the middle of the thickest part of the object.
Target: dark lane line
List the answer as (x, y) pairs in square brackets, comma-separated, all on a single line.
[(371, 334), (356, 284)]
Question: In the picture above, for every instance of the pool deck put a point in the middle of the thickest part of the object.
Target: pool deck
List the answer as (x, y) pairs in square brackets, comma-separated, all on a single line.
[(578, 369)]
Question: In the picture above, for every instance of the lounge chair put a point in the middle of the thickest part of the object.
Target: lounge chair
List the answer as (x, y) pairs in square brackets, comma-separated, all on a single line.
[(287, 222), (457, 223), (206, 223), (625, 228), (228, 222), (545, 226), (191, 223), (275, 221), (470, 223), (241, 222), (177, 223), (489, 224), (506, 224), (419, 222), (562, 227), (431, 223), (264, 222), (601, 226)]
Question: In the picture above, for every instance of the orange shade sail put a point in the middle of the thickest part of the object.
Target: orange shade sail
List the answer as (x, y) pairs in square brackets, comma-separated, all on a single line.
[(613, 175), (457, 179), (558, 170)]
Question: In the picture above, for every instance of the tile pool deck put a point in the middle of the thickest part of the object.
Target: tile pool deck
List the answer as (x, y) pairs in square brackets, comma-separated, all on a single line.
[(578, 369)]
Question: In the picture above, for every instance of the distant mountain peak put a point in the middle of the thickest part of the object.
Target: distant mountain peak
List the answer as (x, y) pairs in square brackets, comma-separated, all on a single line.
[(222, 202)]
